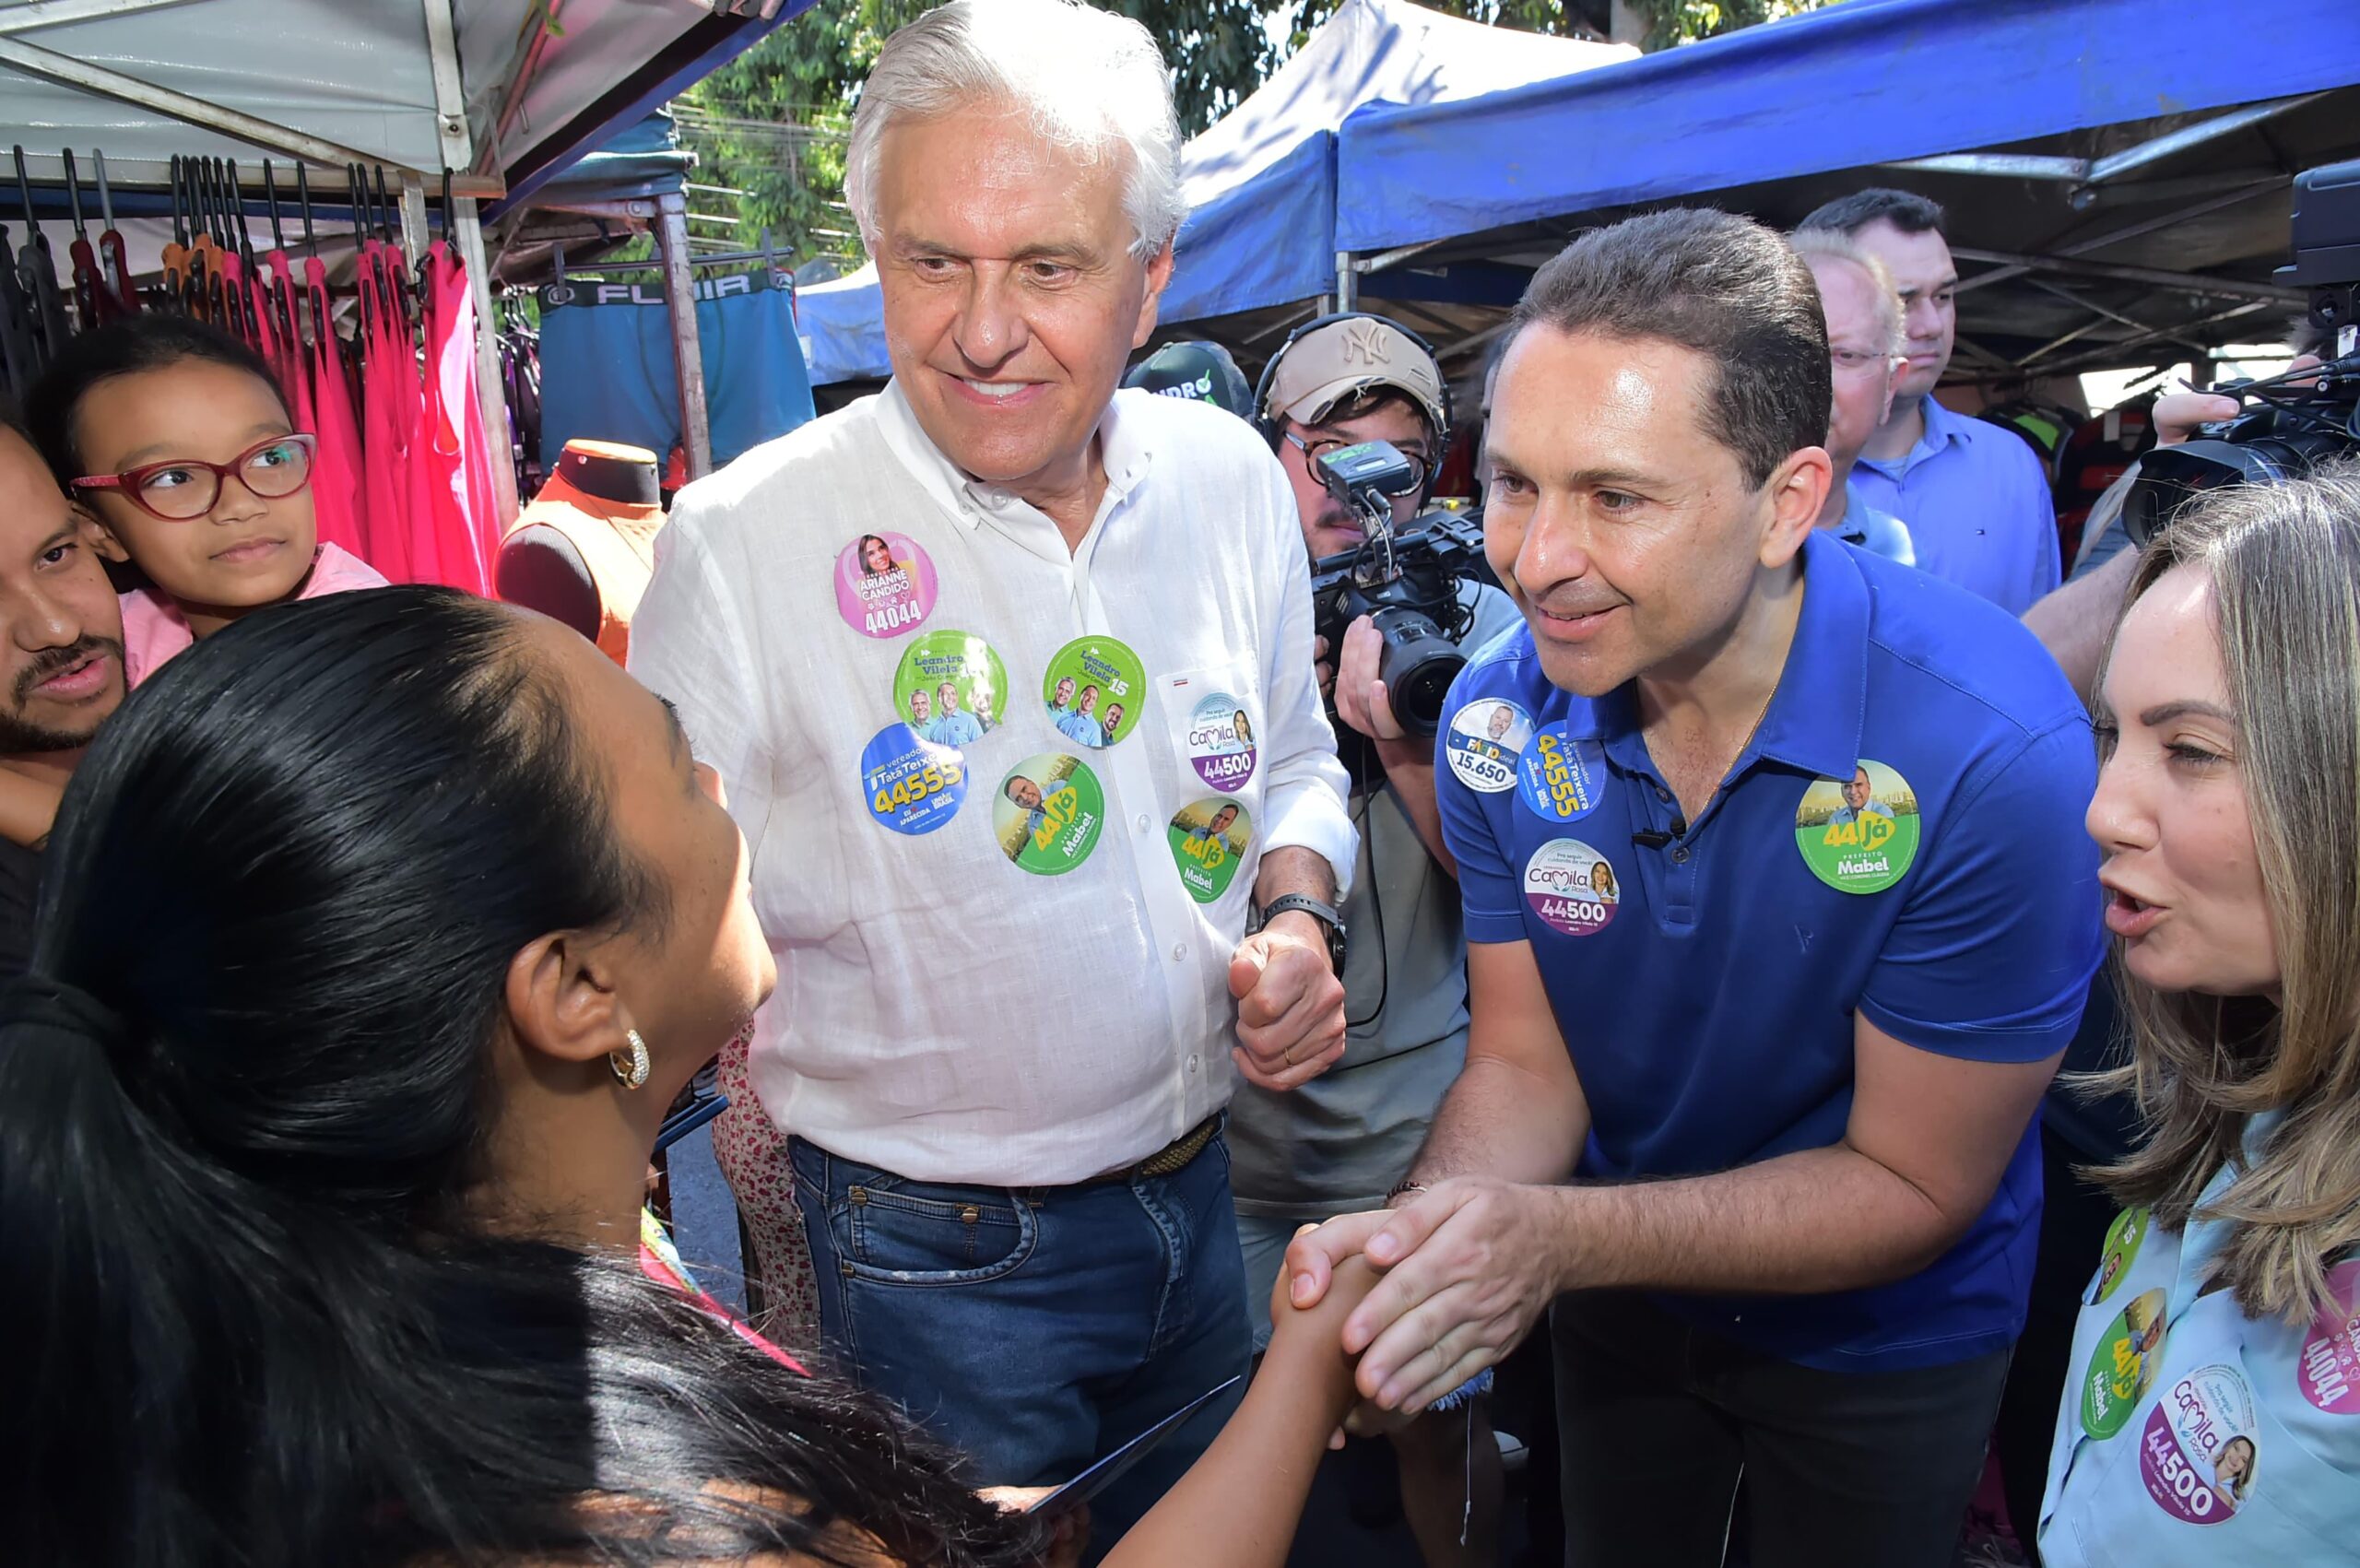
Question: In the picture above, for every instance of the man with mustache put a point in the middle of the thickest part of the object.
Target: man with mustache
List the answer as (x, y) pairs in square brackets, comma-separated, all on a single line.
[(63, 644)]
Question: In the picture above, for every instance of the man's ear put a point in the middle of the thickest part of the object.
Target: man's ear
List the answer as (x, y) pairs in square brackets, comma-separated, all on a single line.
[(1797, 490), (561, 998), (98, 536), (1159, 275)]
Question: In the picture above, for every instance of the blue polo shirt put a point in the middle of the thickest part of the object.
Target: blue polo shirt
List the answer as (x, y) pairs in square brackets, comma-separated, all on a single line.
[(1706, 982), (1978, 504)]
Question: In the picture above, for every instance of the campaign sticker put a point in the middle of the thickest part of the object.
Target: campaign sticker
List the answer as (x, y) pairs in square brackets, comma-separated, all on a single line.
[(1858, 835), (885, 584), (1559, 776), (2122, 1239), (2331, 1360), (2198, 1452), (1209, 840), (1093, 689), (1570, 887), (1048, 813), (1221, 742), (914, 785), (1485, 741), (2123, 1365), (951, 689)]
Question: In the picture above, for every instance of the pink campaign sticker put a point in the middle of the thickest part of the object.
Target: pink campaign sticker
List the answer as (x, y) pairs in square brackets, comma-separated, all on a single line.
[(885, 584), (2330, 1364), (2198, 1452)]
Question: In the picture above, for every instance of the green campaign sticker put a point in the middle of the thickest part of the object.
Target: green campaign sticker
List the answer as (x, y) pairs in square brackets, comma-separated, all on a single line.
[(951, 689), (2124, 1364), (1208, 841), (2122, 1239), (1093, 689), (1048, 813), (1858, 835)]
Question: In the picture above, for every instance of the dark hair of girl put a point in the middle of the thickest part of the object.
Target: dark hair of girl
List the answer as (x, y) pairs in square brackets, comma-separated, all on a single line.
[(147, 342), (243, 1103)]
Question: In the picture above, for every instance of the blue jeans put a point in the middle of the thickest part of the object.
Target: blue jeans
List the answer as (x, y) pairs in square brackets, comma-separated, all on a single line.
[(1035, 1328)]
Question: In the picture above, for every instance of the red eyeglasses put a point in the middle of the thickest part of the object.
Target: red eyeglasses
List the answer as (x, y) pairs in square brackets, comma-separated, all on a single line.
[(181, 490)]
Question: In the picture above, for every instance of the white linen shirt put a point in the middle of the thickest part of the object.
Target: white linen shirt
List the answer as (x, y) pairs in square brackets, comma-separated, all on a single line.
[(940, 1012)]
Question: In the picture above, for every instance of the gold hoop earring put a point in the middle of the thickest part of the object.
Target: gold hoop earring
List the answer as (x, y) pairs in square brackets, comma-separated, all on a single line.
[(633, 1074)]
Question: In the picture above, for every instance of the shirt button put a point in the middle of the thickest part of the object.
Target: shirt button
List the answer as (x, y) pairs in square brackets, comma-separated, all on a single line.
[(1144, 823), (1192, 1067), (1662, 794), (1179, 951), (1680, 856)]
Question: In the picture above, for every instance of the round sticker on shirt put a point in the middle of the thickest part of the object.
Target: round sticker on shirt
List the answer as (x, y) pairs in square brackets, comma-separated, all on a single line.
[(951, 689), (2123, 1365), (2122, 1239), (1858, 835), (914, 785), (1048, 813), (1093, 690), (1209, 840), (1221, 742), (2330, 1368), (1485, 740), (885, 584), (1570, 887), (2198, 1453), (1559, 776)]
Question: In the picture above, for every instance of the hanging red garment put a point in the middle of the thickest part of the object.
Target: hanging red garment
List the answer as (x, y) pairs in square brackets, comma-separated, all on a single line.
[(426, 560), (315, 379), (458, 451), (383, 438)]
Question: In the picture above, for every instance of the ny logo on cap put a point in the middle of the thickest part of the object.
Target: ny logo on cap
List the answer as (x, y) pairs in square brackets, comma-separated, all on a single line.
[(1367, 342)]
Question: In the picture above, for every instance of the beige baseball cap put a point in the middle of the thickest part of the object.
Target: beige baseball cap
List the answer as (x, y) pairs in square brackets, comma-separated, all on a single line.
[(1333, 362)]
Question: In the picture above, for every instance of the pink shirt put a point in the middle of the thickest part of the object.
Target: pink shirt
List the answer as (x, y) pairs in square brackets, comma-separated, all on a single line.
[(153, 630)]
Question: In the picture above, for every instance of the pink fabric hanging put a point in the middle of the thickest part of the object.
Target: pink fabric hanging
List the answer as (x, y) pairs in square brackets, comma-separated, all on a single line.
[(384, 480), (458, 451), (338, 497), (332, 481)]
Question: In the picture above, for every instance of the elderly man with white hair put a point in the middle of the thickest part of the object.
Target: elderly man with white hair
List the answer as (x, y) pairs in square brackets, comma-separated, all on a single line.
[(1867, 347), (1004, 1034)]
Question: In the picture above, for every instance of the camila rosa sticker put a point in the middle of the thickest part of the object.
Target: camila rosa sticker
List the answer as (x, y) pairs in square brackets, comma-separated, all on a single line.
[(1093, 689), (2123, 1365), (1486, 736), (1209, 840), (885, 584), (2198, 1452), (2122, 1239), (1221, 742), (2330, 1368), (1858, 835), (1048, 814), (950, 688), (1559, 776), (1571, 888), (914, 785)]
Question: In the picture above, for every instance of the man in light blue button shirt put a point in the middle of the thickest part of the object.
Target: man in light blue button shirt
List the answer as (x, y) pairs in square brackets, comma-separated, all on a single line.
[(1978, 507), (951, 726)]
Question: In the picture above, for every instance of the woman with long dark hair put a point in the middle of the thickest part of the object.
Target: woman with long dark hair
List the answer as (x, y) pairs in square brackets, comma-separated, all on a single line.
[(380, 931)]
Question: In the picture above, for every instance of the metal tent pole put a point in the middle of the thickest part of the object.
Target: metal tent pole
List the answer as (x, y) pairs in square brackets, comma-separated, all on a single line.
[(687, 352)]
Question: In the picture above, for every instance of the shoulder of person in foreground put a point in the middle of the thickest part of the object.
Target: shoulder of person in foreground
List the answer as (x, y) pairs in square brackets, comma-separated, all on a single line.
[(337, 570), (1198, 443), (781, 473)]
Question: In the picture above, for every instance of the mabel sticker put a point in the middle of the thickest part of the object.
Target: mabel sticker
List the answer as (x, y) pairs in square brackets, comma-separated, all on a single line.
[(1560, 777), (2198, 1452), (1048, 814), (1093, 690), (2124, 1364), (951, 689), (2330, 1370), (1487, 739), (1221, 742), (1208, 841), (1858, 835), (2122, 1239), (914, 785), (1571, 888), (885, 584)]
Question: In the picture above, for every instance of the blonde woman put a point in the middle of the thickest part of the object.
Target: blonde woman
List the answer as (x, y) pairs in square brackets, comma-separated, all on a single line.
[(2229, 812)]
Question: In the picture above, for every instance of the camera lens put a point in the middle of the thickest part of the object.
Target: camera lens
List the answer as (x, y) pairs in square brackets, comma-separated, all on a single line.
[(1418, 664)]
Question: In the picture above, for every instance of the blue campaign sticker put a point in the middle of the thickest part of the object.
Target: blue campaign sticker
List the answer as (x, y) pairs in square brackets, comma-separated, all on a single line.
[(1560, 777), (913, 787)]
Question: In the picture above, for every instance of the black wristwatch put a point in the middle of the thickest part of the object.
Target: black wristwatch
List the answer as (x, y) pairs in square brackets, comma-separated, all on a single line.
[(1324, 914)]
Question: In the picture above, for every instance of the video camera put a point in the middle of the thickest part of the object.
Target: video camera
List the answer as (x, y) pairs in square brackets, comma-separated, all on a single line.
[(1408, 583), (2307, 417)]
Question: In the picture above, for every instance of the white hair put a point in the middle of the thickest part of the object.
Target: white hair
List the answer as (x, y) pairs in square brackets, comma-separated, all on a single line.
[(1835, 245), (1092, 82)]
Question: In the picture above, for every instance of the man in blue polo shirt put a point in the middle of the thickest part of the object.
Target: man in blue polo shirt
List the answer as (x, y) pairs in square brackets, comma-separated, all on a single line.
[(1793, 1060), (1977, 503)]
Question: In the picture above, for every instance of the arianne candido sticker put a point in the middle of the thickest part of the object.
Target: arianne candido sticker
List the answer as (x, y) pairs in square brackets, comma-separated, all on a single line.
[(885, 584), (1858, 835), (2331, 1359), (2201, 1454), (1048, 813)]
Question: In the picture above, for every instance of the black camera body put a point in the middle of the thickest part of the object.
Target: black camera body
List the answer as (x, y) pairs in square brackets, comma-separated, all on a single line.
[(1407, 582)]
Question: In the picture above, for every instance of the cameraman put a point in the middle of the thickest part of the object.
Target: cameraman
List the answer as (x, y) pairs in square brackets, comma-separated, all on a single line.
[(1339, 1143)]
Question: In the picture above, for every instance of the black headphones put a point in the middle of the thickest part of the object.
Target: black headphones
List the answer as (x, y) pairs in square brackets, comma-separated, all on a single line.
[(1273, 426)]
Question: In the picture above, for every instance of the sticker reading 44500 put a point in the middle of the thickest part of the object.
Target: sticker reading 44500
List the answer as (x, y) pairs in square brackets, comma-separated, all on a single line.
[(913, 787), (1571, 887)]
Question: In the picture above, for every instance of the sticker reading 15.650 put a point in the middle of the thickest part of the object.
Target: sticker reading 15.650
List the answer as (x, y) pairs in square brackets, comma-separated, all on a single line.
[(914, 785)]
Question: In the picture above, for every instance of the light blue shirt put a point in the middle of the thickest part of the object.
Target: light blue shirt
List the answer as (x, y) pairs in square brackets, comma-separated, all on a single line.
[(1864, 526), (1980, 515), (1037, 817), (1081, 729), (955, 729), (1844, 815)]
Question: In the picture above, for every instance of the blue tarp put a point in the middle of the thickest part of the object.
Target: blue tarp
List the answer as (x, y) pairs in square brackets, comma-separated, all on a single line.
[(1858, 83)]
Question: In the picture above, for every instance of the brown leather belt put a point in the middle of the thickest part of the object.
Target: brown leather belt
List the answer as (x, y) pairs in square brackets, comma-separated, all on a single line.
[(1170, 1160)]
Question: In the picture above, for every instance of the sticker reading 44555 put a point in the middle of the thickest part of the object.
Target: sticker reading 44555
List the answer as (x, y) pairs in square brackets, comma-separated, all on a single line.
[(1559, 776), (1859, 835), (1571, 887), (913, 787), (1048, 814), (1486, 737), (885, 584)]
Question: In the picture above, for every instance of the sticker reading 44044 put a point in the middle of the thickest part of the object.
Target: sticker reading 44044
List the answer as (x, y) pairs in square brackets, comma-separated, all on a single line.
[(2331, 1363), (1859, 835), (1486, 736), (1209, 840), (1221, 742), (950, 688), (1559, 776), (1048, 814), (1093, 689), (1570, 887), (885, 584), (914, 785)]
